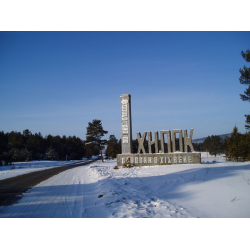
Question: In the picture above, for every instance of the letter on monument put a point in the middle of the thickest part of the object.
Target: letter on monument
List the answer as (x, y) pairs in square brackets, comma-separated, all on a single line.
[(168, 132), (150, 142), (180, 139), (140, 142), (188, 140)]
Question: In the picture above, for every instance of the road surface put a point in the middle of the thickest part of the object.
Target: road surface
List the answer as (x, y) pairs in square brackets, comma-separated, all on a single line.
[(12, 189)]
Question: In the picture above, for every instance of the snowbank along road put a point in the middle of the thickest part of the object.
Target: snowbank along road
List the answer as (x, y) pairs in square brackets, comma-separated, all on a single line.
[(12, 189)]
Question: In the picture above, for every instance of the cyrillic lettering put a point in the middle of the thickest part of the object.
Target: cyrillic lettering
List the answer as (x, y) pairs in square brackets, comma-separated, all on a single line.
[(168, 132), (188, 140), (140, 142), (180, 140)]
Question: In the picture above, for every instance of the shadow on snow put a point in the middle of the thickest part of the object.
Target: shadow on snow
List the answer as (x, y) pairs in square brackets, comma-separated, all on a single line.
[(96, 199)]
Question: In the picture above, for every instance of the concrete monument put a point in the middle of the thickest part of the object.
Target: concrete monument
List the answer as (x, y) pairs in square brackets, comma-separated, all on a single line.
[(126, 124), (160, 157)]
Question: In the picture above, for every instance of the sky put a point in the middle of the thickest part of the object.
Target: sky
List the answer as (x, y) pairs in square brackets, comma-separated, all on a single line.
[(57, 82)]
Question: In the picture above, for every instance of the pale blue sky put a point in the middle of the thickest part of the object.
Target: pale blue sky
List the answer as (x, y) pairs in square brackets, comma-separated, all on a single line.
[(57, 82)]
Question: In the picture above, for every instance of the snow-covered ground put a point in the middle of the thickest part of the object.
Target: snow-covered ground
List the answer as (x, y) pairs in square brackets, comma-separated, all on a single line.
[(213, 189), (20, 168)]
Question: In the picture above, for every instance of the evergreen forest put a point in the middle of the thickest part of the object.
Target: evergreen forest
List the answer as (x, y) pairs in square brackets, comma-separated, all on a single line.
[(17, 146)]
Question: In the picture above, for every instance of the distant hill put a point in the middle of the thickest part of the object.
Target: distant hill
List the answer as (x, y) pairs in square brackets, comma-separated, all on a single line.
[(201, 140)]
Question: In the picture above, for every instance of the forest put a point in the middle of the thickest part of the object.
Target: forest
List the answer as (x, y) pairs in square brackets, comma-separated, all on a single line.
[(17, 146)]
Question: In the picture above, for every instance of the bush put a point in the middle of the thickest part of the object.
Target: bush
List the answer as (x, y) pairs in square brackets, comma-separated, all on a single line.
[(116, 167)]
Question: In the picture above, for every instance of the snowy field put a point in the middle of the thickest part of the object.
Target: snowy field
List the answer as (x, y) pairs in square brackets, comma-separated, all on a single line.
[(213, 189)]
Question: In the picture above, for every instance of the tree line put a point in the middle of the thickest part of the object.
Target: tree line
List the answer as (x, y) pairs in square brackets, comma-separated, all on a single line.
[(236, 147), (16, 146)]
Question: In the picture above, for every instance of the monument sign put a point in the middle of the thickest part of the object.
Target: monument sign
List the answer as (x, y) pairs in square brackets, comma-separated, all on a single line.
[(126, 124), (162, 156)]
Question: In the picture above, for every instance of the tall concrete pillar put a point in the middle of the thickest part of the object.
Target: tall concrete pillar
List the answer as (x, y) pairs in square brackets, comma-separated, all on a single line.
[(126, 124)]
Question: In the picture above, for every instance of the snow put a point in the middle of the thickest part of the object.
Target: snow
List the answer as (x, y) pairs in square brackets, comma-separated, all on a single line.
[(20, 168), (214, 189)]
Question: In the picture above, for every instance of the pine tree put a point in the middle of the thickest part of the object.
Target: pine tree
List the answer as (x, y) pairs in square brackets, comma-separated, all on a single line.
[(16, 154), (51, 154), (15, 140), (26, 135), (3, 143), (89, 150), (113, 147), (245, 79), (232, 145), (94, 134), (244, 147), (216, 145), (25, 154), (247, 142), (206, 143)]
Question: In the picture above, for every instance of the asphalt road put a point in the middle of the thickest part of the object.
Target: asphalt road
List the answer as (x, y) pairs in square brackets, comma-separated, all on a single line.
[(12, 189)]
